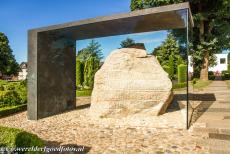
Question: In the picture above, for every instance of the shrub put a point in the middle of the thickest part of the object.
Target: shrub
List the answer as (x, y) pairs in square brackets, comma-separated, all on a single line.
[(195, 80), (210, 73), (14, 93), (2, 88), (167, 69), (229, 67), (182, 73), (211, 77), (23, 83), (2, 82), (224, 72), (12, 138), (10, 98), (79, 72), (225, 75), (10, 87)]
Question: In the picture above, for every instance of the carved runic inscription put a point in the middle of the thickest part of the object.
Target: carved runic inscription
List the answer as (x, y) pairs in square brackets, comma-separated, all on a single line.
[(132, 82)]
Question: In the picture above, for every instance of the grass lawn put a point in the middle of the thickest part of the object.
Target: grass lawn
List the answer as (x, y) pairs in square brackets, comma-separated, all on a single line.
[(200, 84), (228, 83), (85, 92), (15, 138)]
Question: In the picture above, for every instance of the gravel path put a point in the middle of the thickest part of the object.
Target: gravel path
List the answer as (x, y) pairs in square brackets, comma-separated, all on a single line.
[(130, 135)]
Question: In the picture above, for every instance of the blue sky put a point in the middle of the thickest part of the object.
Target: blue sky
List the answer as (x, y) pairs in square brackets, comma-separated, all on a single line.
[(150, 39), (17, 17)]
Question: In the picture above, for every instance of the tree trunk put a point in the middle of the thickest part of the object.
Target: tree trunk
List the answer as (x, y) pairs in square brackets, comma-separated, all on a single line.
[(205, 62), (204, 68)]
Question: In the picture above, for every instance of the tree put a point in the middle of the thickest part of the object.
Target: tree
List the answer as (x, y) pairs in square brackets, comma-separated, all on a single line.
[(198, 56), (83, 55), (79, 73), (8, 64), (171, 66), (168, 53), (92, 50), (211, 23), (88, 62), (127, 43), (142, 4), (91, 66)]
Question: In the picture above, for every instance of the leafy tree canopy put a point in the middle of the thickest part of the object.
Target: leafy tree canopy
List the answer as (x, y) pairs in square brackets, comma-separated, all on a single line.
[(211, 18), (8, 64), (142, 4)]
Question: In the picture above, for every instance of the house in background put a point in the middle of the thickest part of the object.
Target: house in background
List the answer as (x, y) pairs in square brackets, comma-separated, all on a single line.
[(22, 74), (221, 60)]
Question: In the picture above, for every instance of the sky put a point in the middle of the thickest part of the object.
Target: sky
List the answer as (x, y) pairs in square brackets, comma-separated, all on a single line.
[(151, 40), (18, 16)]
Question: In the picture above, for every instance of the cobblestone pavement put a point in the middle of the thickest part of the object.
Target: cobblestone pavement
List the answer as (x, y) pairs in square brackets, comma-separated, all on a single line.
[(130, 135)]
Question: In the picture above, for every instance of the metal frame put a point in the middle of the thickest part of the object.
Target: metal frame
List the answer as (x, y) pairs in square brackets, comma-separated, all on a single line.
[(52, 52)]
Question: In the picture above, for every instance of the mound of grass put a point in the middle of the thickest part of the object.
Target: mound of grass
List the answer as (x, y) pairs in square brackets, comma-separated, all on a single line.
[(17, 138)]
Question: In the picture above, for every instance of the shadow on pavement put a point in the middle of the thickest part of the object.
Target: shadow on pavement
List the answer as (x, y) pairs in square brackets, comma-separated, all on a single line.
[(198, 104)]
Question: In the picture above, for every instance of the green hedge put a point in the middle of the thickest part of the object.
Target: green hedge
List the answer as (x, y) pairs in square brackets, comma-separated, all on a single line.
[(12, 93), (211, 77), (5, 111), (225, 75), (180, 85), (87, 92), (210, 73), (182, 73), (15, 138)]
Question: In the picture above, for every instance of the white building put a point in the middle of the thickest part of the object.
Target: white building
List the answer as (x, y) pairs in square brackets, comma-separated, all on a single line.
[(22, 74), (221, 60)]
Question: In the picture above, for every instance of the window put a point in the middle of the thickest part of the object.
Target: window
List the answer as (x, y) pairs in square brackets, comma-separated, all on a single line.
[(222, 60)]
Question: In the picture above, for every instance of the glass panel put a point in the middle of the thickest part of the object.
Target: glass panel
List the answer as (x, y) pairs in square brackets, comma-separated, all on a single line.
[(169, 47)]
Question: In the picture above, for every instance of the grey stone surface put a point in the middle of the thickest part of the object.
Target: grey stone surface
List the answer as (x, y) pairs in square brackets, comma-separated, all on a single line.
[(51, 52), (51, 79), (130, 82)]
